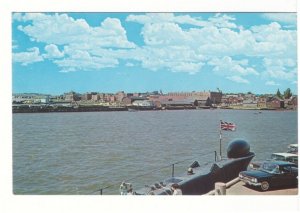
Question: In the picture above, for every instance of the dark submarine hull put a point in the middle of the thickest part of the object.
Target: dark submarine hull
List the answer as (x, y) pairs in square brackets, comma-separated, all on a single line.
[(204, 178), (199, 184)]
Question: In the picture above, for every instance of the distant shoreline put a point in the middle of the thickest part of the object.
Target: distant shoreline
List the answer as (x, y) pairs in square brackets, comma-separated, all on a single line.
[(95, 108)]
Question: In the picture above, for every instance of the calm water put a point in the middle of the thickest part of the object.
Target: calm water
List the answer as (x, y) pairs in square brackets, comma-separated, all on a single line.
[(77, 153)]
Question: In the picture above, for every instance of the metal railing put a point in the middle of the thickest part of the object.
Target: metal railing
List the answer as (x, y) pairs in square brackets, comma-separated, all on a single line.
[(172, 165)]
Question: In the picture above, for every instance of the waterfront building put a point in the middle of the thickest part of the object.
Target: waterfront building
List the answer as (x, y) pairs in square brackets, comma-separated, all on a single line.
[(112, 99), (203, 102), (143, 103), (120, 95), (215, 97), (275, 103), (178, 103), (157, 104), (86, 97), (96, 97), (292, 103), (71, 96), (270, 102), (262, 102), (108, 97), (232, 100), (249, 96), (154, 97), (45, 100), (30, 98), (249, 103), (127, 101)]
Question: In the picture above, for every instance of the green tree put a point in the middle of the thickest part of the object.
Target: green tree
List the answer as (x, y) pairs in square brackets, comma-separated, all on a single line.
[(278, 94), (287, 93)]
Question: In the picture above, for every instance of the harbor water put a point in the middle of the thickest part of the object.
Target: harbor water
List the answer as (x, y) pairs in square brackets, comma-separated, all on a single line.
[(79, 153)]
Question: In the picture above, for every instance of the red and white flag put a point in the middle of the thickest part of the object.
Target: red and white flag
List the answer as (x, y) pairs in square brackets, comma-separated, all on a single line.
[(227, 126)]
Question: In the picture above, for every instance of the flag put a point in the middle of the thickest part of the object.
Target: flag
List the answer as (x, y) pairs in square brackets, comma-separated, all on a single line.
[(227, 126)]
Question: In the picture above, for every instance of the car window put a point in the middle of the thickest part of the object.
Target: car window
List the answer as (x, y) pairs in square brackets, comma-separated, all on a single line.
[(294, 168), (294, 159), (270, 168), (286, 169)]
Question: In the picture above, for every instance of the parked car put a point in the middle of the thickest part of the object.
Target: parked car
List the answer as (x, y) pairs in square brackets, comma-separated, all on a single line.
[(289, 157), (271, 174), (293, 148)]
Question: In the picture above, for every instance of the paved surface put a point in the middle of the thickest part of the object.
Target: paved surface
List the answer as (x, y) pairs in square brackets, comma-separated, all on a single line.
[(240, 188)]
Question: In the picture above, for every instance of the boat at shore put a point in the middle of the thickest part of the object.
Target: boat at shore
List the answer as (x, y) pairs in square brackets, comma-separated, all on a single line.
[(201, 179)]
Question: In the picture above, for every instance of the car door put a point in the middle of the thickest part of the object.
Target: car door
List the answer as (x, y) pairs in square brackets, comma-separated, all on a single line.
[(286, 177), (278, 177)]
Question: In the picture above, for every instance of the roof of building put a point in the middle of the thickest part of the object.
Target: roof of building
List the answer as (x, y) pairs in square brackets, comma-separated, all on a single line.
[(273, 98), (134, 98), (202, 98), (185, 101)]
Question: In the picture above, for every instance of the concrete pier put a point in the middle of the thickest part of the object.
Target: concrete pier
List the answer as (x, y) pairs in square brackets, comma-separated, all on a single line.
[(237, 187), (240, 188)]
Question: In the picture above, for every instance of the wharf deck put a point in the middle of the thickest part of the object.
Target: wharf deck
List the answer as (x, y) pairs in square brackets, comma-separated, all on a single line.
[(240, 188)]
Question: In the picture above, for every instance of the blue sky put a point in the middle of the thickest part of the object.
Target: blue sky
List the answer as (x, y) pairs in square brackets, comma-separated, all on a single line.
[(55, 53)]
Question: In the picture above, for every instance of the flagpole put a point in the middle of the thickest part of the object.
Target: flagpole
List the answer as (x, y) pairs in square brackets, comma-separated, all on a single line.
[(220, 140)]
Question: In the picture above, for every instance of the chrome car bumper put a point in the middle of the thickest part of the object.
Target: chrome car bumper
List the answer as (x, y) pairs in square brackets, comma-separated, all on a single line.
[(250, 182)]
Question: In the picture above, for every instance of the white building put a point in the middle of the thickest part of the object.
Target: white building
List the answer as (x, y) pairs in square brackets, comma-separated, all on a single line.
[(144, 103)]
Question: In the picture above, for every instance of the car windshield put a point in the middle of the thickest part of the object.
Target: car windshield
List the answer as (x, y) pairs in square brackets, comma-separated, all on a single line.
[(277, 157), (270, 168)]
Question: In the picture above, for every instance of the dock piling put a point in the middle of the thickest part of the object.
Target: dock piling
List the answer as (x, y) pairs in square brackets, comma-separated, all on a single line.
[(220, 188), (173, 168)]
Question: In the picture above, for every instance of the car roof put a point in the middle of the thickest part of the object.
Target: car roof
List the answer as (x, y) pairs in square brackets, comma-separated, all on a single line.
[(284, 154), (280, 163)]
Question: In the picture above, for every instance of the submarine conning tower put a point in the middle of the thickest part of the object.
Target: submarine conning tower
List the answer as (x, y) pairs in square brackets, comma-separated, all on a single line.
[(238, 148)]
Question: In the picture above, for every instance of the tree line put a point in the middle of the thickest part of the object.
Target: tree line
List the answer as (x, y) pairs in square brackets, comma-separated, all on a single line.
[(286, 94)]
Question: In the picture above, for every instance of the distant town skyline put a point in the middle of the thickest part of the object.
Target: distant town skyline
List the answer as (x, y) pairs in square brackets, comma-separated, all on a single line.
[(153, 92), (55, 53)]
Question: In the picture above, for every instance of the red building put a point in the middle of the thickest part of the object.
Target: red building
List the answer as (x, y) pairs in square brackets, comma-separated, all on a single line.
[(275, 103)]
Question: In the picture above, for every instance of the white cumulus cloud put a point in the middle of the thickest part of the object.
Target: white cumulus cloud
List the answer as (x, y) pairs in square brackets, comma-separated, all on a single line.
[(228, 66), (29, 57), (282, 69), (272, 83), (61, 29), (128, 64), (289, 18), (52, 51), (238, 79), (173, 42), (82, 60), (218, 20)]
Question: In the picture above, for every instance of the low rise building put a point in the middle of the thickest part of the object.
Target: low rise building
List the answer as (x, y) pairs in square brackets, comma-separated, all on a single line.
[(96, 97), (143, 103), (120, 95), (250, 103), (215, 97), (71, 96), (203, 102), (179, 103), (275, 103), (127, 101), (30, 98), (86, 97), (262, 102), (291, 103)]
